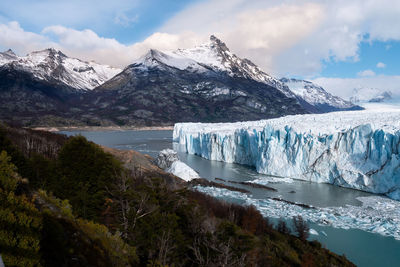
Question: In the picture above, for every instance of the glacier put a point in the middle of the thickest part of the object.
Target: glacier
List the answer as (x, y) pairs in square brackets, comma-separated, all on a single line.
[(353, 149)]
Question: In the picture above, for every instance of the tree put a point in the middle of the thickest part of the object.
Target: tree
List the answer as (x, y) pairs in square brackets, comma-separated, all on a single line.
[(20, 221), (130, 204), (8, 176), (301, 227), (283, 228), (84, 171)]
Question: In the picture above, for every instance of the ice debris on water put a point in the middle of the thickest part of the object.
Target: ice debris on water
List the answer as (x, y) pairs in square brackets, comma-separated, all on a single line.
[(377, 214)]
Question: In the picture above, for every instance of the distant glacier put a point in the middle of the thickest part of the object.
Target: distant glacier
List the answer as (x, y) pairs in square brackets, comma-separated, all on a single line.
[(356, 149)]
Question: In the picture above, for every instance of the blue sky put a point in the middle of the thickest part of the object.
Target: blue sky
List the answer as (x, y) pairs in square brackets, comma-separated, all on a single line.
[(370, 55), (127, 21), (314, 39)]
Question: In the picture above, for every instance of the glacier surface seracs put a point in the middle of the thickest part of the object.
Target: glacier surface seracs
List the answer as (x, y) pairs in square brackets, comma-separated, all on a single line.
[(354, 149)]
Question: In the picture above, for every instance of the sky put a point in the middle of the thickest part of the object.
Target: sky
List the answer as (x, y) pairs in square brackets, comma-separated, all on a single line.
[(340, 44)]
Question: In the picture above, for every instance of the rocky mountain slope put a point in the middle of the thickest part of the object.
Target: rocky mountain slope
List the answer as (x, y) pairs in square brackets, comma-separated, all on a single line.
[(45, 86), (53, 66), (316, 96), (206, 83)]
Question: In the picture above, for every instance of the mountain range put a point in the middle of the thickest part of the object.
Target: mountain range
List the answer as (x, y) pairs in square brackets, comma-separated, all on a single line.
[(207, 83), (371, 95), (315, 95)]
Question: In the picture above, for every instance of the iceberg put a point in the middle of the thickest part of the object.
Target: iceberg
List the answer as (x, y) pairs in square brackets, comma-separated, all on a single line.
[(313, 232), (168, 160), (353, 149)]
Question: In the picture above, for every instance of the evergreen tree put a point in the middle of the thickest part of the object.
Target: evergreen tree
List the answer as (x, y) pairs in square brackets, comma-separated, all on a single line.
[(20, 221)]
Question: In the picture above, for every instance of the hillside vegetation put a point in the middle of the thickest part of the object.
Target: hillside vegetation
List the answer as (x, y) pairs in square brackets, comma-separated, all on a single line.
[(67, 202)]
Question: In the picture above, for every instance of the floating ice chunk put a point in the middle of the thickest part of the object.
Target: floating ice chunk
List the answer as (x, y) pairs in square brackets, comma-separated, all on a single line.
[(313, 232), (269, 179), (169, 161), (183, 171)]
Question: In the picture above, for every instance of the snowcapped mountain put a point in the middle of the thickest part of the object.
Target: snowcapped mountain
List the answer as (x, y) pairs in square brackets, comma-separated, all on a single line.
[(384, 96), (205, 83), (317, 96), (7, 56), (211, 56), (53, 66), (366, 94)]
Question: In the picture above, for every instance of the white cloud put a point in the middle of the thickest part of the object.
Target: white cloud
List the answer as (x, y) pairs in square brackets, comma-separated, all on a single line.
[(254, 29), (366, 73), (290, 37), (284, 37), (14, 37), (344, 87), (381, 65), (125, 20), (87, 45)]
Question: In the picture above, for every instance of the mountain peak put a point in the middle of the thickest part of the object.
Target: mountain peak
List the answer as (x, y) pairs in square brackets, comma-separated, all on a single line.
[(154, 53), (53, 65), (7, 57), (213, 55), (51, 52), (9, 52), (218, 43), (151, 57)]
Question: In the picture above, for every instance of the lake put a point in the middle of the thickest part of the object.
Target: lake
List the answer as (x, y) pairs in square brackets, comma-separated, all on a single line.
[(361, 247)]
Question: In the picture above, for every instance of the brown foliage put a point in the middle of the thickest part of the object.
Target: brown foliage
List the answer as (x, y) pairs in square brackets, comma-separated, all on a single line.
[(32, 142), (247, 217)]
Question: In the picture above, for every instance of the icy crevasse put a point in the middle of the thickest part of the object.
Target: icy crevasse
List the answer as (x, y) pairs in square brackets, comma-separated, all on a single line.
[(358, 150)]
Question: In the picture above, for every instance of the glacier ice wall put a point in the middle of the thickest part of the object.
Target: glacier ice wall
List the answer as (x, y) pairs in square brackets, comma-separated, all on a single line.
[(363, 157)]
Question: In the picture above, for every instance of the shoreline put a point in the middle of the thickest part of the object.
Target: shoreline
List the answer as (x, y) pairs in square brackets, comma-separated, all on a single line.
[(102, 128)]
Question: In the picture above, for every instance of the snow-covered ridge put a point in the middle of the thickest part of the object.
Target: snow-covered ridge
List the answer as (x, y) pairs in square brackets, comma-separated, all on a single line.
[(355, 149), (213, 55), (51, 64), (316, 95), (7, 56), (153, 58), (372, 95)]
